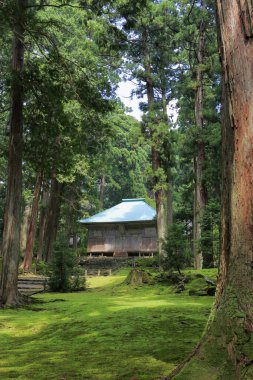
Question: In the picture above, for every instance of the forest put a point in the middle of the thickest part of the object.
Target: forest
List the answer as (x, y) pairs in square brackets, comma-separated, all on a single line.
[(70, 148)]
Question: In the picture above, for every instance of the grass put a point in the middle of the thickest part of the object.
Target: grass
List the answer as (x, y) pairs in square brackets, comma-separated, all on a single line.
[(109, 332)]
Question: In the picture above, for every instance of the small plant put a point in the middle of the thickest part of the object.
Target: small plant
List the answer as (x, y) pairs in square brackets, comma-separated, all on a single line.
[(65, 274), (176, 248)]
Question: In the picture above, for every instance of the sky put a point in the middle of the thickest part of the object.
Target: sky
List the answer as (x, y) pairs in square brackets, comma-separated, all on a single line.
[(124, 93)]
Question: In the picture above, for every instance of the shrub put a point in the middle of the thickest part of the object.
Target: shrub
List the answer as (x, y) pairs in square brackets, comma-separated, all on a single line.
[(41, 267), (176, 248), (149, 262), (65, 273)]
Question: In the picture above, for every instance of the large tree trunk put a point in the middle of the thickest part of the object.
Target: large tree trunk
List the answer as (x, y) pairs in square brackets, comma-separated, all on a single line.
[(12, 218), (27, 263), (53, 214), (200, 192), (226, 351)]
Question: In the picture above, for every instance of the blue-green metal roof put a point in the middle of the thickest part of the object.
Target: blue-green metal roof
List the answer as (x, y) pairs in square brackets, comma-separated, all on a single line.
[(129, 210)]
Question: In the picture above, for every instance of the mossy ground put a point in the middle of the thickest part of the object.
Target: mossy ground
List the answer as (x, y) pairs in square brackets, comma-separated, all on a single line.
[(109, 332)]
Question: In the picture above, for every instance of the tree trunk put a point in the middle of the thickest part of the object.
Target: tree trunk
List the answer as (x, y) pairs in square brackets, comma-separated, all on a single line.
[(12, 218), (101, 192), (169, 176), (170, 204), (42, 222), (159, 191), (138, 277), (226, 350), (200, 189), (27, 263), (74, 241), (160, 205), (52, 218), (24, 228)]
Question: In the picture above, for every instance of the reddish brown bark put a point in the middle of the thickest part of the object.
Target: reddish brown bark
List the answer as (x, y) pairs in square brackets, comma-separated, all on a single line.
[(12, 219), (200, 192), (226, 349), (24, 228), (53, 214), (27, 263), (42, 221), (237, 218)]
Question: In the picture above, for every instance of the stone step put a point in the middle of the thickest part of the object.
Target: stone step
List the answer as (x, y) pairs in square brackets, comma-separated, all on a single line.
[(32, 282), (31, 285)]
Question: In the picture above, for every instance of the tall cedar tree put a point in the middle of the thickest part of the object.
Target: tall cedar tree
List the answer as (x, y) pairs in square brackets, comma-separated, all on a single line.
[(150, 55), (200, 192), (12, 219), (226, 350)]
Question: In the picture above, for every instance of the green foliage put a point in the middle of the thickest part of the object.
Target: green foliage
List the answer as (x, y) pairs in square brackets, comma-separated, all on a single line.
[(123, 161), (188, 135), (176, 248), (150, 262), (150, 61), (65, 274), (81, 251), (41, 267)]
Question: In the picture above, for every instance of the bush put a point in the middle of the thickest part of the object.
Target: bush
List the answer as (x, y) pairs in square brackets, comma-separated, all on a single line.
[(176, 249), (149, 262), (41, 267), (65, 273)]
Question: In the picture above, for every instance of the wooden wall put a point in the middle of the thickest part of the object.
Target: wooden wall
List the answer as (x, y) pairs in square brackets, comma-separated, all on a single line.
[(122, 238)]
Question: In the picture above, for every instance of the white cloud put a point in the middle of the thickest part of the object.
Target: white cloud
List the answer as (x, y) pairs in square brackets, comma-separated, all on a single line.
[(124, 93)]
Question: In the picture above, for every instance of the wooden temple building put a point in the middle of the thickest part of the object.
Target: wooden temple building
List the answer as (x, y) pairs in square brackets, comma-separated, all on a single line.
[(127, 229)]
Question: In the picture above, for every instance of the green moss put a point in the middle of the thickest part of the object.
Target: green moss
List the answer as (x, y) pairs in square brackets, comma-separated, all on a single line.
[(227, 348), (211, 363), (211, 272), (249, 373), (196, 371), (248, 350), (110, 332)]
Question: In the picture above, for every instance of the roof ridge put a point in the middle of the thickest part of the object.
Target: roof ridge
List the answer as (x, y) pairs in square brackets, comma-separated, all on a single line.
[(133, 199)]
